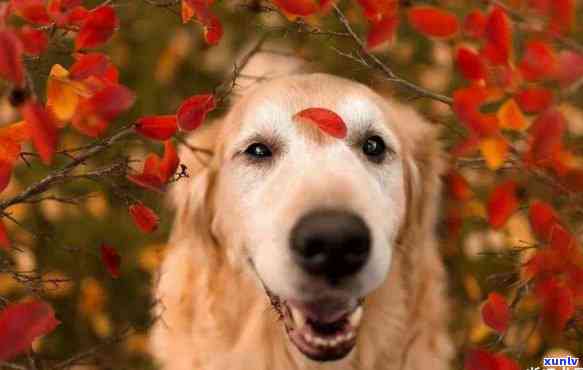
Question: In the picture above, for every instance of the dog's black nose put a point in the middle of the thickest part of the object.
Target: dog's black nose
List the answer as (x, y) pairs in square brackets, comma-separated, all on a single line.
[(331, 243)]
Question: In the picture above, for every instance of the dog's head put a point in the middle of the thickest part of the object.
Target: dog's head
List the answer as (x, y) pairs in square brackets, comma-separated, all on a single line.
[(315, 219)]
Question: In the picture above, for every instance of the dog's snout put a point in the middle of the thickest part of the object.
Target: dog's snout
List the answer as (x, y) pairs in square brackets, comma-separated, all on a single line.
[(331, 243)]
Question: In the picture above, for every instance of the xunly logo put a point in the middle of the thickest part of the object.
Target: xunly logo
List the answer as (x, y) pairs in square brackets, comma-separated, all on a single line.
[(560, 361)]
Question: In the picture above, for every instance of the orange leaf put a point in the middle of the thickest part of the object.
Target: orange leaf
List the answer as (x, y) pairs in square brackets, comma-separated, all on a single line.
[(97, 28), (62, 94), (543, 219), (381, 31), (326, 120), (494, 149), (496, 313), (502, 204), (557, 303), (41, 128), (475, 24), (5, 242), (21, 324), (110, 259), (144, 218), (470, 64), (534, 99), (169, 163), (192, 112), (539, 61), (458, 186), (432, 21), (498, 37), (510, 116), (157, 127), (11, 49)]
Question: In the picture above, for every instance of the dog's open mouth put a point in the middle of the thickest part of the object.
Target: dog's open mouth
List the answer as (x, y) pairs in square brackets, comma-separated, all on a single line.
[(324, 330)]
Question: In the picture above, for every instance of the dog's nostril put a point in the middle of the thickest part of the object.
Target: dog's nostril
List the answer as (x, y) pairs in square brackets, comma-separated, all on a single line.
[(331, 243)]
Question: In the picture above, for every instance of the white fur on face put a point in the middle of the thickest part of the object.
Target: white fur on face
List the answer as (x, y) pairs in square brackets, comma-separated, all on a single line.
[(261, 202)]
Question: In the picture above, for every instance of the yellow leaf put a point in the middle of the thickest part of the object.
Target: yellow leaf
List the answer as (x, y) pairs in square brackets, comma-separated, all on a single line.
[(494, 150), (62, 94), (511, 117), (187, 12)]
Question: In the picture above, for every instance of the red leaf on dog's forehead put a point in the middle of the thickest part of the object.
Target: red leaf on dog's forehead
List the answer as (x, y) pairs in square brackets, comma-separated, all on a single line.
[(432, 21), (21, 324), (539, 61), (534, 99), (325, 120), (97, 28), (496, 313), (42, 129), (475, 24), (470, 64), (458, 186), (381, 31), (110, 259), (33, 11), (192, 112), (91, 64), (157, 127), (543, 219), (502, 204), (144, 218), (169, 162), (4, 239), (499, 37), (11, 49), (34, 41)]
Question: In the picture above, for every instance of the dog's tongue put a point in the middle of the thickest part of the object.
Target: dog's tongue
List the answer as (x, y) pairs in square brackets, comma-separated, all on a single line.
[(324, 311)]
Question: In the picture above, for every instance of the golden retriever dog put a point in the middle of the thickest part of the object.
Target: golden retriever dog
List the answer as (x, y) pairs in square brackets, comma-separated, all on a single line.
[(293, 249)]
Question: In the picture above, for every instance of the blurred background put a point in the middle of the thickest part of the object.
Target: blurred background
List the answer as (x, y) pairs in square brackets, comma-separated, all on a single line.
[(56, 251)]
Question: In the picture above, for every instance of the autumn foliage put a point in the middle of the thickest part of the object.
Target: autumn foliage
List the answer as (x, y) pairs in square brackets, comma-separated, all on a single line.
[(511, 79)]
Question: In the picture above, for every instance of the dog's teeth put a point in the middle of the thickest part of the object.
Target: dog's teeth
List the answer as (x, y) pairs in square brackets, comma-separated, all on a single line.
[(355, 317), (299, 318)]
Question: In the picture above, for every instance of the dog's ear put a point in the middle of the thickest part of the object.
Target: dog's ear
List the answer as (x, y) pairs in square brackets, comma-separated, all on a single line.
[(191, 196)]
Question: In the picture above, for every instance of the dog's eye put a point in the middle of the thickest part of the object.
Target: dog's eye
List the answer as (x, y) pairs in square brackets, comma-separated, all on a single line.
[(374, 147), (258, 150)]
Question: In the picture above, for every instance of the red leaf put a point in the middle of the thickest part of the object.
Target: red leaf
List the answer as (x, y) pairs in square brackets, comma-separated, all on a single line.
[(502, 204), (192, 112), (466, 104), (91, 64), (60, 10), (98, 27), (110, 259), (5, 242), (302, 8), (458, 186), (169, 162), (546, 136), (538, 61), (108, 102), (150, 177), (42, 129), (21, 324), (432, 21), (90, 124), (562, 16), (213, 31), (375, 10), (534, 99), (466, 147), (381, 31), (34, 41), (475, 24), (11, 49), (470, 64), (557, 303), (325, 120), (32, 10), (478, 359), (144, 218), (569, 67), (157, 127), (543, 219), (499, 37), (496, 313)]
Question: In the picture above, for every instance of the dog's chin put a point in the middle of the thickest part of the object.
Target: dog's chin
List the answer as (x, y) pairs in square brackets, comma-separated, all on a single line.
[(323, 330)]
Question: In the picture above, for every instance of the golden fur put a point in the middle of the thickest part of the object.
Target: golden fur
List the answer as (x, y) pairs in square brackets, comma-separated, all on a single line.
[(214, 316)]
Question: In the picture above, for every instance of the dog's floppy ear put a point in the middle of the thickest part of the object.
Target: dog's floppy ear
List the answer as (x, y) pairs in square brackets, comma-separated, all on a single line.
[(191, 196)]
